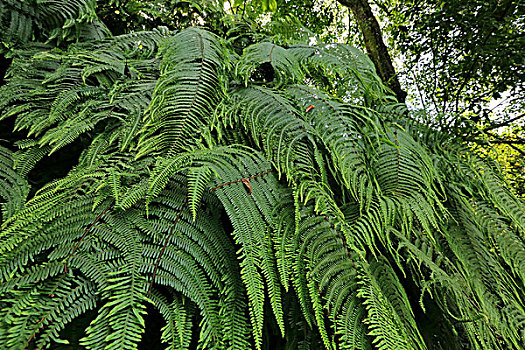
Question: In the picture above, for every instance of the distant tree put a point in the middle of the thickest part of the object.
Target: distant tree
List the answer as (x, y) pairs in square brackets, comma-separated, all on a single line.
[(464, 55)]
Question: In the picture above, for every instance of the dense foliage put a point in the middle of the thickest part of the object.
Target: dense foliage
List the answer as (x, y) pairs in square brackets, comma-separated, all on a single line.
[(463, 54), (245, 194)]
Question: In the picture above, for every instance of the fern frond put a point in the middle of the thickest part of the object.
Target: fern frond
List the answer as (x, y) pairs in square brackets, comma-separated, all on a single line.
[(285, 66), (186, 92), (51, 18), (389, 315), (177, 332), (360, 84), (13, 187)]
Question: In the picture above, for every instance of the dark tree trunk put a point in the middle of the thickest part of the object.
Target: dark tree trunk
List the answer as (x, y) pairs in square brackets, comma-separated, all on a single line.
[(374, 44)]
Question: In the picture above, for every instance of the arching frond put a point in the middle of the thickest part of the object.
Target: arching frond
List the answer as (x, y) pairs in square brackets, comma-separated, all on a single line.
[(357, 72), (187, 91), (285, 66), (20, 20)]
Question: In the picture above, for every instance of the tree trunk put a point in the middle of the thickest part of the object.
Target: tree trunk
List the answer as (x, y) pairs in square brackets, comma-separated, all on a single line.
[(374, 44)]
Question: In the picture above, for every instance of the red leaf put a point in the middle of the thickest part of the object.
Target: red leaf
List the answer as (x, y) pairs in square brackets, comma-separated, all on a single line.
[(246, 183)]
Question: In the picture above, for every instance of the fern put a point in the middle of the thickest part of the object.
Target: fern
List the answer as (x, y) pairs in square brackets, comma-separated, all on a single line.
[(300, 204), (20, 20), (13, 187), (187, 90), (284, 64)]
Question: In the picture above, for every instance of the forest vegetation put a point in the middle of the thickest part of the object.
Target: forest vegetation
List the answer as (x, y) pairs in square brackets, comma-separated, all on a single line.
[(261, 174)]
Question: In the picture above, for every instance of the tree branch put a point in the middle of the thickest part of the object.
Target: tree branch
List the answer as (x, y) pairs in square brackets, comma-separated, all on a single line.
[(505, 123)]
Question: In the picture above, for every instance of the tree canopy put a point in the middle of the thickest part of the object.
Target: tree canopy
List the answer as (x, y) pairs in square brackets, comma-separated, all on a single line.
[(465, 53), (227, 187)]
